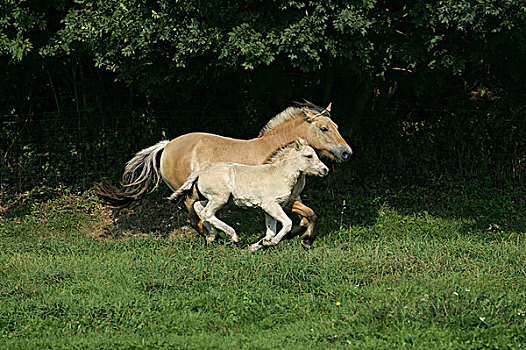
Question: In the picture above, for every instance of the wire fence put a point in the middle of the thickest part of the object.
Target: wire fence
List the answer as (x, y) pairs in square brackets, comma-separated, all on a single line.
[(48, 147), (81, 146)]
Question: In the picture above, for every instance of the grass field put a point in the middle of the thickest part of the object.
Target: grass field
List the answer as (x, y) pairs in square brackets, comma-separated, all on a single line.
[(429, 268)]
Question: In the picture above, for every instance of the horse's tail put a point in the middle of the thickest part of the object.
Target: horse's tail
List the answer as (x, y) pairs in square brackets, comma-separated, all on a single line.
[(141, 171), (187, 186)]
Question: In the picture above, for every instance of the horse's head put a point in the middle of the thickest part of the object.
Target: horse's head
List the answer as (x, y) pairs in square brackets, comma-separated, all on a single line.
[(308, 160), (323, 134)]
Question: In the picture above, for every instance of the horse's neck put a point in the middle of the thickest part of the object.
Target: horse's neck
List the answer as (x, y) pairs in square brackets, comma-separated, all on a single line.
[(281, 135)]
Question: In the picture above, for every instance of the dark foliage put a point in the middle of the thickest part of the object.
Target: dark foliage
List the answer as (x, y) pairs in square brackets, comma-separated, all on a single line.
[(421, 90)]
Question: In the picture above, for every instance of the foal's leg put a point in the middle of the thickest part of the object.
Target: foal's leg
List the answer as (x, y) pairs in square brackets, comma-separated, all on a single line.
[(276, 211), (207, 214), (271, 225), (209, 230), (224, 227)]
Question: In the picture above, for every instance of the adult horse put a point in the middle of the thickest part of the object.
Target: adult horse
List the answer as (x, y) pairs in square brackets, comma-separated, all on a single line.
[(175, 160), (266, 186)]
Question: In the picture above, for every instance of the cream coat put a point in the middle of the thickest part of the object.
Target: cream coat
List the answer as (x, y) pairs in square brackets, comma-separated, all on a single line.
[(269, 187)]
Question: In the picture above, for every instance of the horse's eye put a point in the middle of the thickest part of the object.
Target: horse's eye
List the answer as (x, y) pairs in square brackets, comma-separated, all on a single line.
[(309, 156), (324, 129)]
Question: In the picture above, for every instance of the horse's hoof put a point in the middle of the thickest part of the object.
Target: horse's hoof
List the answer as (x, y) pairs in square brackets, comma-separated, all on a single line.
[(306, 244)]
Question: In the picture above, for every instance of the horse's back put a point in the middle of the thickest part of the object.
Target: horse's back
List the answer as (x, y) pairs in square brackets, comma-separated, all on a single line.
[(193, 151)]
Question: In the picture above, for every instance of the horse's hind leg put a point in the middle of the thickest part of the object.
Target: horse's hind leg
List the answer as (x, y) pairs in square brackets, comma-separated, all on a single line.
[(194, 219)]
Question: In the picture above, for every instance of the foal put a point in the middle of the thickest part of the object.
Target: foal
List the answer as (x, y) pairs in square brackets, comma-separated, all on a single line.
[(268, 186)]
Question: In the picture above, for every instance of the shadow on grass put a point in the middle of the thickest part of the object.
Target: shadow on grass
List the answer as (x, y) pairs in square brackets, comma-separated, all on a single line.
[(151, 215), (155, 215), (477, 209)]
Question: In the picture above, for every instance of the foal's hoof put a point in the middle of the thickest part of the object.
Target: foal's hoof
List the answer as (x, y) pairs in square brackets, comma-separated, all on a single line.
[(267, 242), (210, 239), (254, 247)]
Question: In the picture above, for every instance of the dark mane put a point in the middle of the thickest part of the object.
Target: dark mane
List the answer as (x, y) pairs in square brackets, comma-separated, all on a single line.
[(298, 110), (313, 108)]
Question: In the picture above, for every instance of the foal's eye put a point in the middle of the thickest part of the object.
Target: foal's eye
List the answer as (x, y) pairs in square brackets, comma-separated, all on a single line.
[(324, 129), (309, 156)]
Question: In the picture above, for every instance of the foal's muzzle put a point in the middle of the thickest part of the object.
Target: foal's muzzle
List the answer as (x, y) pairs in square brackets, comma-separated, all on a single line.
[(323, 170)]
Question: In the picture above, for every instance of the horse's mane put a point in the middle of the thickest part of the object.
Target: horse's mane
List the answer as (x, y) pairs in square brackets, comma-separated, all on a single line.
[(292, 112)]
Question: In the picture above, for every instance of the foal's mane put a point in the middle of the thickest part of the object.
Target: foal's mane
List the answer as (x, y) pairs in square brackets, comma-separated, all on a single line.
[(293, 112), (280, 153)]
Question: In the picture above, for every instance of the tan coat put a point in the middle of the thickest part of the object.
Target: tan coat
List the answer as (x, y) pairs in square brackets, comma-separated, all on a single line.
[(268, 186)]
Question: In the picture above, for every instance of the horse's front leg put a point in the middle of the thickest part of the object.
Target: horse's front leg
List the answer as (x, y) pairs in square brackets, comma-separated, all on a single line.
[(296, 229), (307, 223)]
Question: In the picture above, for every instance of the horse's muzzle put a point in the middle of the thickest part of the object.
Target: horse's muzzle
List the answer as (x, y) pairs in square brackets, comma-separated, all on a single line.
[(341, 153)]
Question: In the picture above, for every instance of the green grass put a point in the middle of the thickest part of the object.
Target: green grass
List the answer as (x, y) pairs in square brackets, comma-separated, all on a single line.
[(418, 268)]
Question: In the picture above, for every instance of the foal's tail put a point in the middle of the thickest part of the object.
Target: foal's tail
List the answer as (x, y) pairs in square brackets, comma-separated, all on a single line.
[(141, 171), (187, 186)]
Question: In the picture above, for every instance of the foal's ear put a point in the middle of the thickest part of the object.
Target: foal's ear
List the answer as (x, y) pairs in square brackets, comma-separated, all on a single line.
[(329, 107), (299, 143)]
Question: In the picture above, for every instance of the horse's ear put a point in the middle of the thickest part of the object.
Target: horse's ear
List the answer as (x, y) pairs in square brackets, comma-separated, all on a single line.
[(329, 107), (309, 114)]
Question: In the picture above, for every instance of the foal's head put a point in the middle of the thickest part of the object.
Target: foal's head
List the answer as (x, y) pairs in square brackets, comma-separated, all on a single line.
[(306, 159)]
